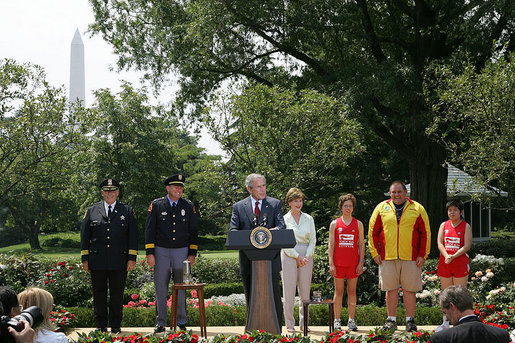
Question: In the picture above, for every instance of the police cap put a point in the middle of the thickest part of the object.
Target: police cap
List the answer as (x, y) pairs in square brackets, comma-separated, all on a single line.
[(109, 185), (177, 179)]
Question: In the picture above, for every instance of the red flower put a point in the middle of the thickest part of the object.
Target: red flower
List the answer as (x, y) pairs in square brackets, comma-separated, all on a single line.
[(134, 296), (193, 293)]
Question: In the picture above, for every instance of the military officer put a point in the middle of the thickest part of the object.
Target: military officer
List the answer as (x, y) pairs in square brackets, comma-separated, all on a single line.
[(109, 245), (170, 239)]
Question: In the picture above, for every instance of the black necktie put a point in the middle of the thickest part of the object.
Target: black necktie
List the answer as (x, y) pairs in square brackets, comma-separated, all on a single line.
[(109, 211)]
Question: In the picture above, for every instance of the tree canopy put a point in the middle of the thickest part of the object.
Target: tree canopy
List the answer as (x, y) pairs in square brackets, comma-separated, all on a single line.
[(375, 54)]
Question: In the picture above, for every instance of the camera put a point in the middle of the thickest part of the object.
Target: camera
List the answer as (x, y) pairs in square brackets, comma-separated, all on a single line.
[(32, 315)]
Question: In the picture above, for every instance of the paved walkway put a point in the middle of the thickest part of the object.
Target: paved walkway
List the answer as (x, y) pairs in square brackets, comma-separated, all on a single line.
[(317, 332)]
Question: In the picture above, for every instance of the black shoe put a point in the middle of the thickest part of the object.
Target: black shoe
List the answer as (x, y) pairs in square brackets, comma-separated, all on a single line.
[(182, 327), (116, 331), (411, 326), (159, 329), (390, 326), (101, 330)]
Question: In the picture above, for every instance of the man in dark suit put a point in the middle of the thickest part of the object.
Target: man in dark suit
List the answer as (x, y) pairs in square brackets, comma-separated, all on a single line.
[(109, 246), (170, 239), (258, 210), (457, 304)]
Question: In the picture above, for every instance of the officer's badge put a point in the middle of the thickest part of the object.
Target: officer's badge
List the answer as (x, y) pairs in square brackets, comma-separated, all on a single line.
[(183, 213), (180, 177), (164, 213), (122, 217)]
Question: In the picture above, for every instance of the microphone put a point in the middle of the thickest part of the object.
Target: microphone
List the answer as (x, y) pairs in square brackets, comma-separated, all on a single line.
[(265, 219), (255, 220)]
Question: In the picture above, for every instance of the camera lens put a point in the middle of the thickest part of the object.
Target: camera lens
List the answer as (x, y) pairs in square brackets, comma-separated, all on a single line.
[(31, 315)]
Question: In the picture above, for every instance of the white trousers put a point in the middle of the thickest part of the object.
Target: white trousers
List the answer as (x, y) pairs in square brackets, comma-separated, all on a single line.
[(292, 276)]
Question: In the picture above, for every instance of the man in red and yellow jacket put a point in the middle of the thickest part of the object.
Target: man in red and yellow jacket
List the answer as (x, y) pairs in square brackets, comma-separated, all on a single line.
[(399, 238)]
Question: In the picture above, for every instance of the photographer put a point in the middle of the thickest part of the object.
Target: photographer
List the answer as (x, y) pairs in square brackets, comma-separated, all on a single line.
[(45, 301), (26, 335)]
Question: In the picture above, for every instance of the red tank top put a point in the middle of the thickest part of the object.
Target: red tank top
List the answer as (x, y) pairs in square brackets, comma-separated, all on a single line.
[(346, 253), (453, 237)]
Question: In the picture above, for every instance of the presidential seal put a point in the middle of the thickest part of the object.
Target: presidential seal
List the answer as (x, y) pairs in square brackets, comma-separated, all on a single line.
[(260, 237)]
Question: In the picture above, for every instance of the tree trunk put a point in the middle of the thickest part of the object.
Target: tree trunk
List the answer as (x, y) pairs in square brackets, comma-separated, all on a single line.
[(33, 234), (428, 178)]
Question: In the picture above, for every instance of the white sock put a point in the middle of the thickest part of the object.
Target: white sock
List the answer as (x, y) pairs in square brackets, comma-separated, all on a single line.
[(392, 318)]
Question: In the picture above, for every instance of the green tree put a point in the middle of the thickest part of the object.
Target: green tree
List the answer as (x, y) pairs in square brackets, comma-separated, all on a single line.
[(140, 145), (373, 53), (39, 134), (479, 122)]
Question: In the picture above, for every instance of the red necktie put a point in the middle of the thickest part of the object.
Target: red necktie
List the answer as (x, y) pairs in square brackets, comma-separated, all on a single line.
[(257, 212)]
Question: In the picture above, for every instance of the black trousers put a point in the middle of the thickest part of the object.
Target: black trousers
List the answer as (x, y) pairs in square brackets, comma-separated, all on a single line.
[(114, 281), (247, 280)]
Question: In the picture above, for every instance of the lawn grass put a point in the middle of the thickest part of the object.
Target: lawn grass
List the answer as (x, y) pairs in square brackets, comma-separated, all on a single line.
[(64, 252)]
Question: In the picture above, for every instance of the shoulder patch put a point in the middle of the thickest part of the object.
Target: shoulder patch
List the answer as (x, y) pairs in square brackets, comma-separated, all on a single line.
[(150, 208), (85, 214)]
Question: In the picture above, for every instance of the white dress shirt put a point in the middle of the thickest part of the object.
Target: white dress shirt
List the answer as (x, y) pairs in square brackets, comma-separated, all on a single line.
[(106, 206), (304, 231)]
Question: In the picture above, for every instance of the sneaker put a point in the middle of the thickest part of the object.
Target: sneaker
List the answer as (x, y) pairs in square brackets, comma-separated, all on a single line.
[(159, 329), (337, 324), (351, 324), (443, 326), (411, 326), (390, 325)]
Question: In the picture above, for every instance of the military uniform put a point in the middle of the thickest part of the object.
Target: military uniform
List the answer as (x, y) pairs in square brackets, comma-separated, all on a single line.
[(171, 236), (107, 243)]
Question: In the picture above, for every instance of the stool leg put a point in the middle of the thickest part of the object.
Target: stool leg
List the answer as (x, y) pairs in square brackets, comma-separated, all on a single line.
[(331, 317), (173, 314), (202, 313), (306, 311)]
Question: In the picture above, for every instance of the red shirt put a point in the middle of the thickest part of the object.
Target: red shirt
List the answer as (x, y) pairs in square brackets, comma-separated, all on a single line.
[(454, 239), (346, 253)]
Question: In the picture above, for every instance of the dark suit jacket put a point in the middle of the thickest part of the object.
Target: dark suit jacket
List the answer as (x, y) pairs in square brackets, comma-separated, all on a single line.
[(242, 219), (108, 244), (471, 330)]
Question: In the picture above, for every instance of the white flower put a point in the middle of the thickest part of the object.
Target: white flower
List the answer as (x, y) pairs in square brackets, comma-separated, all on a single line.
[(484, 278), (489, 275)]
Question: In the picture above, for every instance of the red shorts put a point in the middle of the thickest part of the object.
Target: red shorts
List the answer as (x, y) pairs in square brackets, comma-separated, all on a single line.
[(343, 272), (459, 267)]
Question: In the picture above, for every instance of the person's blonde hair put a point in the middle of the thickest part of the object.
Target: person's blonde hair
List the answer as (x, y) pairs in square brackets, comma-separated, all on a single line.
[(35, 296), (293, 194)]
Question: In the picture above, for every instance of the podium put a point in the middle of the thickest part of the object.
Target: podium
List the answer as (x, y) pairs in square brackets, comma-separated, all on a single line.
[(261, 245)]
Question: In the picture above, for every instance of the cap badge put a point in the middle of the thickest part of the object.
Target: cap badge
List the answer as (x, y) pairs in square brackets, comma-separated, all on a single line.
[(180, 177), (109, 182)]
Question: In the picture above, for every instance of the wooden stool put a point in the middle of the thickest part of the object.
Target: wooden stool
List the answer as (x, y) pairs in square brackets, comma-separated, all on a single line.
[(306, 304), (202, 310)]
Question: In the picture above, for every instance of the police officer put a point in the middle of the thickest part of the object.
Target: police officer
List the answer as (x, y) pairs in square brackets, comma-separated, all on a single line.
[(170, 239), (109, 245)]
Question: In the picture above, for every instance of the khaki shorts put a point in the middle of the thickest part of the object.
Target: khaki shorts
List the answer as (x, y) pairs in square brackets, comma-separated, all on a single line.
[(396, 273)]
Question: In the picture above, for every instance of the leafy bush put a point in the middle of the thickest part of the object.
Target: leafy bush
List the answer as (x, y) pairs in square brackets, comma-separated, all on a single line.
[(211, 271), (222, 289), (69, 284), (19, 272), (496, 247), (141, 275), (57, 242)]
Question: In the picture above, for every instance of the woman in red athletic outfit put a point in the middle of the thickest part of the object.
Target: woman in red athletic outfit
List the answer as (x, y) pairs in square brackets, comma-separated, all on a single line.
[(454, 240), (346, 257)]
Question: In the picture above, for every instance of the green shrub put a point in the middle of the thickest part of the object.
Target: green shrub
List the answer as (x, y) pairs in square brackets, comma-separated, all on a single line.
[(210, 242), (57, 242), (216, 270), (222, 289), (69, 284), (84, 317), (496, 247), (19, 272)]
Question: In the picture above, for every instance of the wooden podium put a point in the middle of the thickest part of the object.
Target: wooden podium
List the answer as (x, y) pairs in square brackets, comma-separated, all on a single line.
[(261, 245)]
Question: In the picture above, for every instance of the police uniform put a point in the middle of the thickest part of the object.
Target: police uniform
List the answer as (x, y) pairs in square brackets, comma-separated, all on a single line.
[(171, 236), (107, 243)]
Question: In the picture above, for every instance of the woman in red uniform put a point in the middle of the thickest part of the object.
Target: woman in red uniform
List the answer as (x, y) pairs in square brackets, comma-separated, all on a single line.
[(454, 240), (346, 257)]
